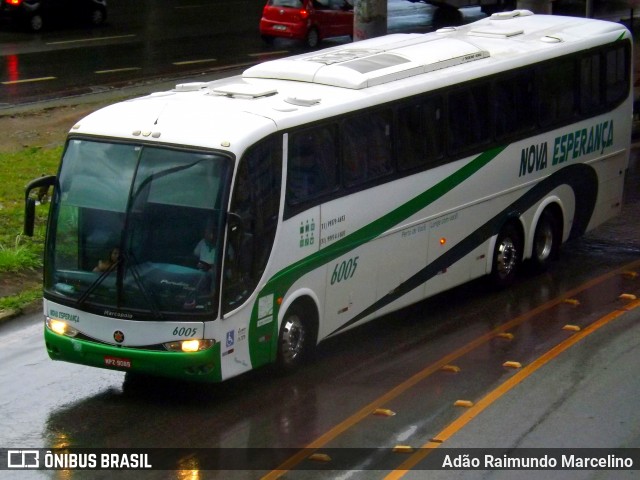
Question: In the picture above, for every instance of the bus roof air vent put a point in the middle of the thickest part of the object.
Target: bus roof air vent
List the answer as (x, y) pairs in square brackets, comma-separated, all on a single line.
[(244, 90), (190, 87), (551, 39), (302, 101), (360, 68), (491, 32), (511, 14)]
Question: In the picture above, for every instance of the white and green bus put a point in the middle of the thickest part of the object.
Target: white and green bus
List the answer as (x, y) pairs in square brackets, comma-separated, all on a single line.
[(202, 232)]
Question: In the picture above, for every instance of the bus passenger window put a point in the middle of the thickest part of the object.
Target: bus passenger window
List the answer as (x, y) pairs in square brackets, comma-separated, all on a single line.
[(590, 84), (469, 115), (412, 140), (514, 103), (367, 147), (312, 164), (419, 138), (617, 77), (557, 92)]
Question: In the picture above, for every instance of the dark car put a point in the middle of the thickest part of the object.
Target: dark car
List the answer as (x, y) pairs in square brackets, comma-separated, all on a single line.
[(306, 20), (36, 14)]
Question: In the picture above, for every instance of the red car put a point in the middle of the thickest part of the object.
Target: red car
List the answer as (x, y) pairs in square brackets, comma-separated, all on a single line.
[(306, 20)]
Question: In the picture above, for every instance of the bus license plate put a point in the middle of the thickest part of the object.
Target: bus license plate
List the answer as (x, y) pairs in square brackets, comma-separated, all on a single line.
[(117, 362)]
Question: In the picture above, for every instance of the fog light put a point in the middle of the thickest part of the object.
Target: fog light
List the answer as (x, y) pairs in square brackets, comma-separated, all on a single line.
[(60, 327)]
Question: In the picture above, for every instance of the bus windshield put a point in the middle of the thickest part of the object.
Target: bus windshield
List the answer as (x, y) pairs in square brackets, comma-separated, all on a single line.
[(138, 228)]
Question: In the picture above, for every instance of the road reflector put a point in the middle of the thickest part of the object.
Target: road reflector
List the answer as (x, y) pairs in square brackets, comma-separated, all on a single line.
[(384, 412), (451, 368), (463, 403), (511, 364), (627, 296), (505, 335), (403, 449), (319, 457), (571, 328), (571, 301), (630, 274)]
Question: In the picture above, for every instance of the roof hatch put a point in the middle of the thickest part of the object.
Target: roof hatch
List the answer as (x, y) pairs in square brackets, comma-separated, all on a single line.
[(356, 68)]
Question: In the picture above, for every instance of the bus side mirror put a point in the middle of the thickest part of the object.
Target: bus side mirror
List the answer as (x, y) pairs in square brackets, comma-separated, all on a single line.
[(29, 216), (41, 186)]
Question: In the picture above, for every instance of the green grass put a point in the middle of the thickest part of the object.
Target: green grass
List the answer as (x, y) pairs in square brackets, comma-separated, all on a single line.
[(18, 252), (18, 302)]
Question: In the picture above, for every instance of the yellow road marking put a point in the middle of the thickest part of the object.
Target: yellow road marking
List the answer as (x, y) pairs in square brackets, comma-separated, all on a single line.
[(494, 395)]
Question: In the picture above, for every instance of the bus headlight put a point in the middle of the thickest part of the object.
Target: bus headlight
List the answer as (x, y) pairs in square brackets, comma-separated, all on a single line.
[(60, 327), (194, 345)]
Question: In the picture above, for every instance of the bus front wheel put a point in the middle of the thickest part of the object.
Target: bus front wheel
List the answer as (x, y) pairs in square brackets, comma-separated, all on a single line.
[(295, 339), (507, 256)]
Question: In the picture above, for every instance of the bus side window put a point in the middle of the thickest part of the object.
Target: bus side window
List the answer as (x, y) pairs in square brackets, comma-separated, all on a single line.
[(590, 84), (513, 103), (367, 153), (558, 97), (312, 164), (469, 118), (419, 138), (254, 208), (617, 74)]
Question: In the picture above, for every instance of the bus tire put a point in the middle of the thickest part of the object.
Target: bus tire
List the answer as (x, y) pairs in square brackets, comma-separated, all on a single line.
[(546, 240), (295, 341), (507, 256)]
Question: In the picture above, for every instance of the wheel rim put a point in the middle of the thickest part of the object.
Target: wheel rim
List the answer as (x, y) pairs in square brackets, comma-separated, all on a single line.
[(544, 242), (507, 257), (293, 338)]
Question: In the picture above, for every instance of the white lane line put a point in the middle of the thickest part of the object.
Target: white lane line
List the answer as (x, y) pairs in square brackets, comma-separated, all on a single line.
[(86, 40), (117, 70), (267, 54), (28, 80), (193, 62)]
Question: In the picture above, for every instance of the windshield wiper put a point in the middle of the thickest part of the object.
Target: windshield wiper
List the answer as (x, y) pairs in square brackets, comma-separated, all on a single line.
[(140, 283)]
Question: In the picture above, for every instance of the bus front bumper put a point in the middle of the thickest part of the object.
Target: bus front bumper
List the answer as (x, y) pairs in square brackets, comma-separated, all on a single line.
[(203, 366)]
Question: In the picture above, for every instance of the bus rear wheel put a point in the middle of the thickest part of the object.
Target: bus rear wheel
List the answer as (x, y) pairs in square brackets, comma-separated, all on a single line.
[(546, 240), (294, 341), (507, 256)]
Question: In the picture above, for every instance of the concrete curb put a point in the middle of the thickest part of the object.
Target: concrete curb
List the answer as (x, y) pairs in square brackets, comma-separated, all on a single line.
[(6, 315)]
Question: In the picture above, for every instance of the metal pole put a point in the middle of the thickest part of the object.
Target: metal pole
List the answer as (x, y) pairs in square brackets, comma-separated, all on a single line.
[(369, 19), (589, 9)]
